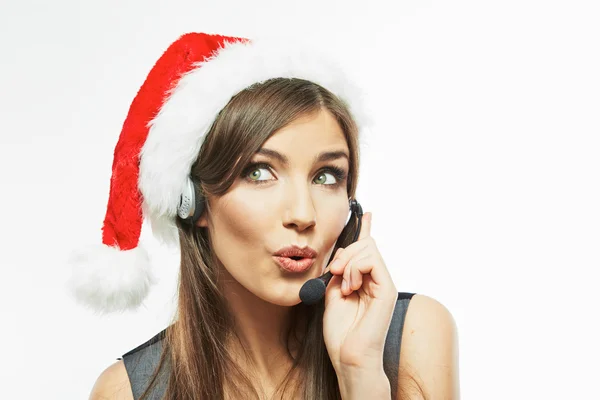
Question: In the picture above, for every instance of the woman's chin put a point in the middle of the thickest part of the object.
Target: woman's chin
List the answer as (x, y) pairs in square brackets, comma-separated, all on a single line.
[(283, 296), (288, 302)]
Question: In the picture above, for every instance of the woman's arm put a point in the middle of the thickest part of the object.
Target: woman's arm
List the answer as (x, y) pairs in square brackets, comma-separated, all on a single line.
[(357, 384), (428, 359), (429, 352)]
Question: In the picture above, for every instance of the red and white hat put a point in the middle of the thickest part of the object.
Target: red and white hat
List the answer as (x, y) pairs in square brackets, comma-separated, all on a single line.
[(161, 138)]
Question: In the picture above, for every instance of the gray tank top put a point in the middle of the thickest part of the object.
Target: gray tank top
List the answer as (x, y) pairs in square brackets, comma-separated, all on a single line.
[(141, 362)]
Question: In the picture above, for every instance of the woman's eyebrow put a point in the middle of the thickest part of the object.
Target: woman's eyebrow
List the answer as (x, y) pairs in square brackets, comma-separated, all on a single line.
[(321, 157)]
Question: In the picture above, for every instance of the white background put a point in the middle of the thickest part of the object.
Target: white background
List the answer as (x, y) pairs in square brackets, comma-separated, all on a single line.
[(482, 172)]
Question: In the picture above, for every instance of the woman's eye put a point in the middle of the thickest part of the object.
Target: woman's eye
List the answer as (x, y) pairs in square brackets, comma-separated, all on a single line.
[(260, 174), (321, 179)]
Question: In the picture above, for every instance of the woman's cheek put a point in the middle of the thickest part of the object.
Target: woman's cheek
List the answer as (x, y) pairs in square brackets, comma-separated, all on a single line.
[(337, 222), (246, 216)]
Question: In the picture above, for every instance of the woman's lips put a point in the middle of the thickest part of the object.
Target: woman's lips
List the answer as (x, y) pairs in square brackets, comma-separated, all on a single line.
[(291, 265)]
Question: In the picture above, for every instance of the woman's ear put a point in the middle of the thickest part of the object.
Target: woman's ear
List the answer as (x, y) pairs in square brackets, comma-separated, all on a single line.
[(203, 220), (201, 203)]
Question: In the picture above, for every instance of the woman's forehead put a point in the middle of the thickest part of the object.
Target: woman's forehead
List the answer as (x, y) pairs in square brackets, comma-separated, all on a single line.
[(308, 135)]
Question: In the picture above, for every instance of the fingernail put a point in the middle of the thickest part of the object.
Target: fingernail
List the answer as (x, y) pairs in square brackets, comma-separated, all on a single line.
[(334, 265), (344, 285)]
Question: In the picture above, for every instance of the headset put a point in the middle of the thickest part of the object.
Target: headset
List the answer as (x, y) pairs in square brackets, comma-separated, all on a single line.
[(191, 203)]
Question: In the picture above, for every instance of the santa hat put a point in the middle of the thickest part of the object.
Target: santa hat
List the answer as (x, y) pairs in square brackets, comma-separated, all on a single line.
[(160, 140)]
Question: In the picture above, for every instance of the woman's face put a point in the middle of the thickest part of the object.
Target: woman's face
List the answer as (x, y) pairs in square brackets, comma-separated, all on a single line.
[(292, 194)]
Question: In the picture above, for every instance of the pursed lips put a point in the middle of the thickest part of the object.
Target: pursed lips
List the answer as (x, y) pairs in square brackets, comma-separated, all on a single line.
[(295, 259)]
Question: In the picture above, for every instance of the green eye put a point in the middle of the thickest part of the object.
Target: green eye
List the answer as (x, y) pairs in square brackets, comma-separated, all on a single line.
[(321, 179), (255, 175), (259, 173)]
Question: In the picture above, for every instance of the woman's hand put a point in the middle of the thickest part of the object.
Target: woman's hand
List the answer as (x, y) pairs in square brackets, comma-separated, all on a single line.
[(359, 303)]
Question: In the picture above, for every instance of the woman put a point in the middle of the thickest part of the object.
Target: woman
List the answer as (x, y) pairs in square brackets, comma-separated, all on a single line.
[(260, 180)]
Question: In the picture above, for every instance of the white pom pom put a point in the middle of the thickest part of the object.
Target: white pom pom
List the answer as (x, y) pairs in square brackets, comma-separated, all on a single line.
[(107, 279)]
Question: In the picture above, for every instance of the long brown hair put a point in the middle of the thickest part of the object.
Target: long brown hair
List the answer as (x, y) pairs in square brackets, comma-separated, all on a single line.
[(195, 357)]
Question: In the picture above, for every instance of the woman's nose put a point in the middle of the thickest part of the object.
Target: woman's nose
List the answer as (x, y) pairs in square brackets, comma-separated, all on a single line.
[(299, 211)]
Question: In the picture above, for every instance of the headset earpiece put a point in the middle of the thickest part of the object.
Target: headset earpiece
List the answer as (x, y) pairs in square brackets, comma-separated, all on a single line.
[(356, 208), (191, 203)]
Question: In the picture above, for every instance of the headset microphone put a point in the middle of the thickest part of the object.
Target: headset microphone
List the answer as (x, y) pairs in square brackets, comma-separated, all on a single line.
[(313, 290)]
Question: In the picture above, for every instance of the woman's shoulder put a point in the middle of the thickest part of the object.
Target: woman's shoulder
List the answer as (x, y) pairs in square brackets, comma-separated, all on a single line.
[(119, 380), (428, 323), (112, 384), (425, 314), (152, 345), (430, 346), (143, 362)]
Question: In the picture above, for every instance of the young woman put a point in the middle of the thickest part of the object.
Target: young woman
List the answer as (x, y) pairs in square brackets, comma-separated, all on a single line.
[(257, 186)]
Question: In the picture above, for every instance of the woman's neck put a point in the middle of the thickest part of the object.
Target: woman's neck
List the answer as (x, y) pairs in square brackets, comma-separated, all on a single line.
[(260, 337)]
